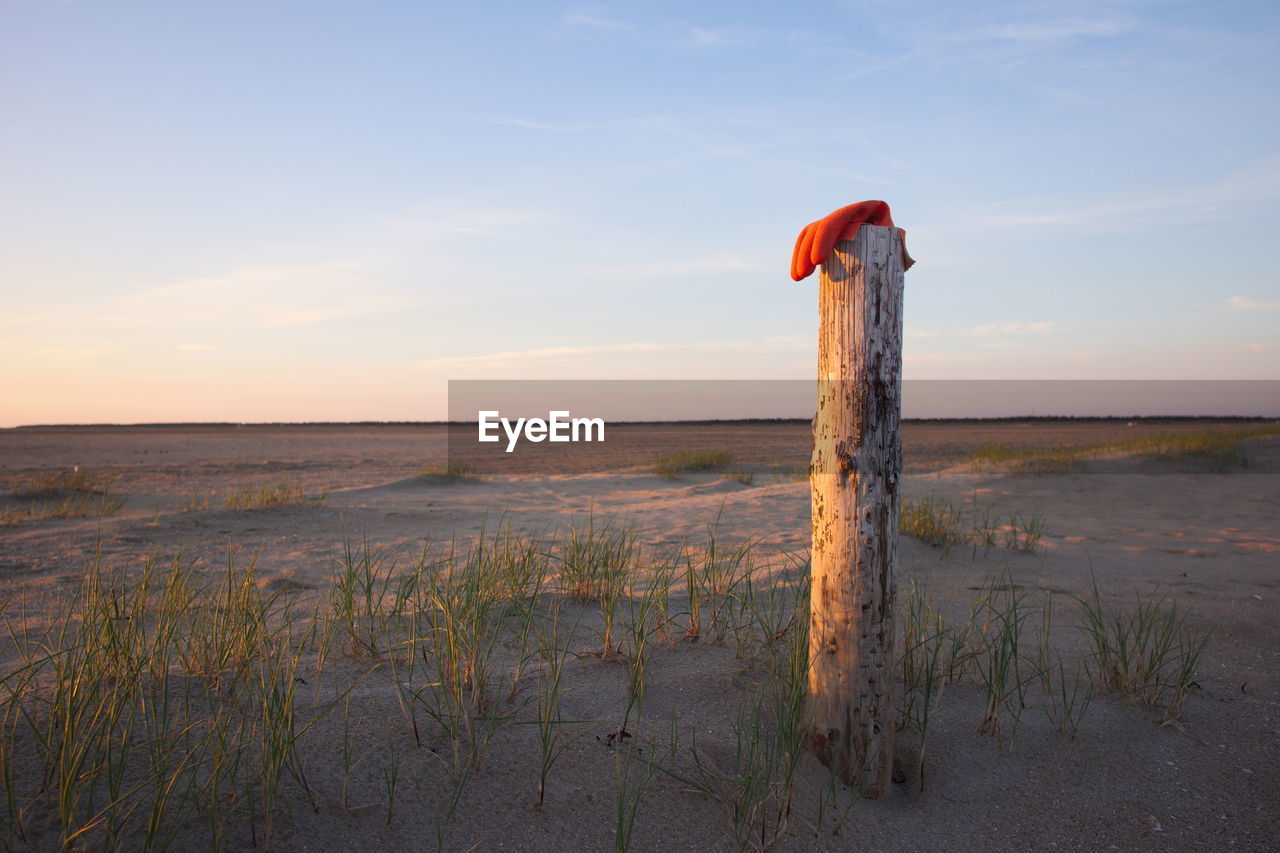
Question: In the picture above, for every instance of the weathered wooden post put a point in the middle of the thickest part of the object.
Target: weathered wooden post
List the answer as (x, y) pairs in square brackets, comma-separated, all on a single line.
[(854, 476)]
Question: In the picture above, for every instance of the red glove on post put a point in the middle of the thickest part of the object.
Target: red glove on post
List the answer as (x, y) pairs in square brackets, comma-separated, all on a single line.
[(816, 241)]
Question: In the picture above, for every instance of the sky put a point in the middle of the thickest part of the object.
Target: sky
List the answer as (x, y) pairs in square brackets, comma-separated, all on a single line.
[(287, 211)]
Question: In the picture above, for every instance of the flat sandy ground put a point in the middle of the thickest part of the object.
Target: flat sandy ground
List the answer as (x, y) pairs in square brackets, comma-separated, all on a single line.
[(1208, 542)]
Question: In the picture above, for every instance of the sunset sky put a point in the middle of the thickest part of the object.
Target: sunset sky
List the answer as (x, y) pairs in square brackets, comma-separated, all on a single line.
[(248, 211)]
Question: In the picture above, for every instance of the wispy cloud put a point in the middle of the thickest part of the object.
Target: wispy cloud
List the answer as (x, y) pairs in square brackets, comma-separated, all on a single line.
[(807, 341), (515, 358), (1052, 30), (706, 265), (471, 222), (1012, 37), (624, 123), (269, 296), (1182, 205), (290, 319), (985, 330), (867, 69), (389, 265), (62, 351), (1254, 348), (1243, 304), (273, 296), (677, 141), (593, 21), (481, 359), (716, 37), (989, 330)]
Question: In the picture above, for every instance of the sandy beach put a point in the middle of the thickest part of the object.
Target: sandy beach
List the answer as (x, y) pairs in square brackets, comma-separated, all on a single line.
[(371, 771)]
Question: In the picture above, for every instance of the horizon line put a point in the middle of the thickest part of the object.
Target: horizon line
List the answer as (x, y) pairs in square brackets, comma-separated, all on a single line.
[(656, 422)]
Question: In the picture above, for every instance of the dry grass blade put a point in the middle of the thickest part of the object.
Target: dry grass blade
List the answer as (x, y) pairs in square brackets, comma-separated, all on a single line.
[(286, 493), (63, 493)]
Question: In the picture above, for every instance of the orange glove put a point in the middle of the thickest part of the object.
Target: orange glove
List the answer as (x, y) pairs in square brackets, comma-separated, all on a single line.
[(816, 241)]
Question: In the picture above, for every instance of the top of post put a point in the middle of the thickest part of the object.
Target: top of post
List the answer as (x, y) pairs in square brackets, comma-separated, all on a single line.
[(818, 238)]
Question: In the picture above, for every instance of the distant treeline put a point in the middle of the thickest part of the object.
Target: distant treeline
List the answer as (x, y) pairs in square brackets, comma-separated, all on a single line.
[(699, 422)]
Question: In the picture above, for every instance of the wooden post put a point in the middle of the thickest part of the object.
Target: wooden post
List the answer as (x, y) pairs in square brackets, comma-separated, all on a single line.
[(856, 466)]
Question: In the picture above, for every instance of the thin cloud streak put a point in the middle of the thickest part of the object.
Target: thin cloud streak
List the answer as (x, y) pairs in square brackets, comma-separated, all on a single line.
[(271, 296), (1038, 32), (715, 37), (1242, 304), (985, 330), (1254, 348), (588, 20), (1214, 202), (989, 330), (660, 123), (709, 265), (769, 345)]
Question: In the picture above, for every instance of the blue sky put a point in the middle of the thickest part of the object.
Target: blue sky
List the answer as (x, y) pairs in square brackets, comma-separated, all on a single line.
[(321, 210)]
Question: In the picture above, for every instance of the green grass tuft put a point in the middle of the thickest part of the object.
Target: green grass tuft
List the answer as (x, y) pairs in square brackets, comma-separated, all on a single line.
[(672, 465), (933, 520), (1145, 652), (939, 522), (1216, 450), (1035, 461), (1212, 450), (456, 470), (64, 493), (283, 494)]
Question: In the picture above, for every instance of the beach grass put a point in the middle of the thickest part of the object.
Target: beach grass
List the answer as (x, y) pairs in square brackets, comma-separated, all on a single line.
[(1218, 450), (454, 470), (933, 520), (943, 523), (1144, 651), (62, 493), (672, 466), (169, 702), (285, 493)]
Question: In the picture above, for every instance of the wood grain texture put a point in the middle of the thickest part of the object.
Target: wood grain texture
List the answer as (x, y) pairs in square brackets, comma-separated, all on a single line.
[(854, 476)]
